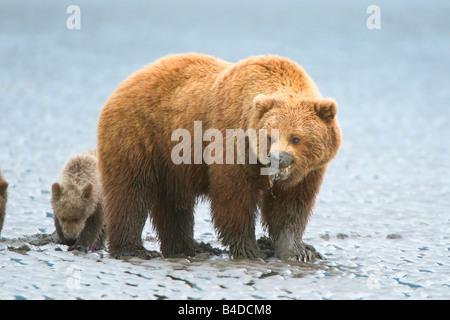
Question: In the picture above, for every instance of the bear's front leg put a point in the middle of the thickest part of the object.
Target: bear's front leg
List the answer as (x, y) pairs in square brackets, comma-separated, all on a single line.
[(234, 200), (126, 210), (287, 214)]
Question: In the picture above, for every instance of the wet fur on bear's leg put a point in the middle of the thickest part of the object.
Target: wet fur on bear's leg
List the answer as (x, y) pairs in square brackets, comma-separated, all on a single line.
[(124, 231), (234, 211), (286, 217), (173, 219), (100, 244)]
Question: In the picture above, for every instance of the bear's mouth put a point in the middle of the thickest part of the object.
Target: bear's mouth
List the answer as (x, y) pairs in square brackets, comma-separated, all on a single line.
[(281, 174)]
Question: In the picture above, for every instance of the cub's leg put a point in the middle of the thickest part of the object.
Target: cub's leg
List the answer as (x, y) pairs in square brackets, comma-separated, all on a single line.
[(100, 243)]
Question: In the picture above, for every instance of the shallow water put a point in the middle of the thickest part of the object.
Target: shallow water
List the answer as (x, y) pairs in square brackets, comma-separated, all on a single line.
[(382, 217)]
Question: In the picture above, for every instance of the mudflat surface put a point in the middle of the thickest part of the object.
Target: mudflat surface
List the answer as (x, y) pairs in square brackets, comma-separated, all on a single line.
[(382, 218)]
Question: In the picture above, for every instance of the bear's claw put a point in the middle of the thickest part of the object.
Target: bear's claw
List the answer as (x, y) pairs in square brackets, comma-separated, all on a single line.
[(299, 252), (306, 253), (141, 253)]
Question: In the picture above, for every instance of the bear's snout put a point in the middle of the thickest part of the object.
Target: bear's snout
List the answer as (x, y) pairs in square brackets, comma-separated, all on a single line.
[(283, 159), (71, 231), (70, 237)]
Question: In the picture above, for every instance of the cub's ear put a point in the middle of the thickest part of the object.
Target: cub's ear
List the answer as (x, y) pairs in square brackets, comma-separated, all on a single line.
[(261, 104), (3, 187), (326, 109), (87, 191), (56, 190)]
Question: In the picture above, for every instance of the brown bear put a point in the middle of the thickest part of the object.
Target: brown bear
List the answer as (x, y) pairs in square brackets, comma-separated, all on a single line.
[(3, 199), (139, 175), (77, 204)]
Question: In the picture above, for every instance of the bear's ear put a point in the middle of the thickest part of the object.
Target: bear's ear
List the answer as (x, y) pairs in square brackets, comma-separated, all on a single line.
[(261, 104), (87, 191), (3, 187), (326, 109), (56, 190)]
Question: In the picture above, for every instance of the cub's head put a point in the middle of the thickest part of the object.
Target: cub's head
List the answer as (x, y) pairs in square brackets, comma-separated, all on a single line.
[(302, 134), (72, 206)]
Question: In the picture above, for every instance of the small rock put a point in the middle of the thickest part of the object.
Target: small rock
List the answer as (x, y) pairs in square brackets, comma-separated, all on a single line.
[(325, 237), (341, 236), (394, 236), (23, 249)]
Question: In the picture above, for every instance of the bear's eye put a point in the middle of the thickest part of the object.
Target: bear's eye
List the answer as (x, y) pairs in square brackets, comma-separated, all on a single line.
[(295, 140)]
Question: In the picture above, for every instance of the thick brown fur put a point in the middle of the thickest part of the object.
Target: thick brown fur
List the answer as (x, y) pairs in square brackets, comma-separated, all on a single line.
[(3, 199), (138, 175), (78, 204)]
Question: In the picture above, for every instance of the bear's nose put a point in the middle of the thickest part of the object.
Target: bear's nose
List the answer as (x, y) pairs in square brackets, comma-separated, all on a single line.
[(70, 236), (284, 159)]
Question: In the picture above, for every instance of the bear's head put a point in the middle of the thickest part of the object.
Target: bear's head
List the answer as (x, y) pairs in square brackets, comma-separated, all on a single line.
[(303, 134), (72, 206)]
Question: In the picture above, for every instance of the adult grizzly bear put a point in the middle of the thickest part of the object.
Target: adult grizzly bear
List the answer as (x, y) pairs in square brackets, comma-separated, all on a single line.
[(139, 176)]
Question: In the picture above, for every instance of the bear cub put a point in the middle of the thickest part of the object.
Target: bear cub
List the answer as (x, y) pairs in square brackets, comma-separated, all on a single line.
[(77, 204), (3, 199)]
